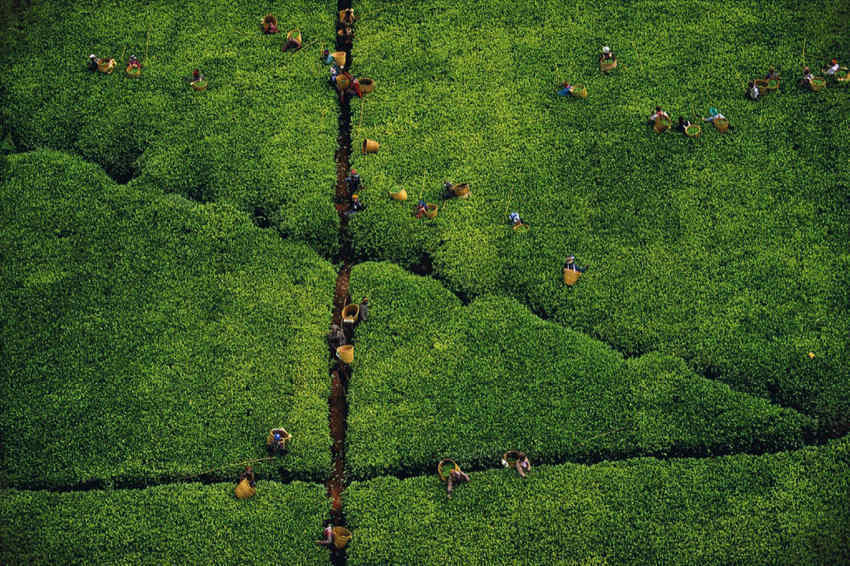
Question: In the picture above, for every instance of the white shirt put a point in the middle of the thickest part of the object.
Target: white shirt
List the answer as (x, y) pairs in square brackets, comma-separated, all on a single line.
[(831, 70)]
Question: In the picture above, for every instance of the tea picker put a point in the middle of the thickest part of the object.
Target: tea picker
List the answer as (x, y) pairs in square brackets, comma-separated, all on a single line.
[(269, 24), (753, 91), (277, 439), (454, 475), (683, 125), (607, 60), (659, 120), (518, 460), (572, 271), (516, 221), (570, 264), (832, 69), (335, 537), (363, 313), (355, 206), (352, 182), (92, 63), (336, 338), (719, 120), (246, 486)]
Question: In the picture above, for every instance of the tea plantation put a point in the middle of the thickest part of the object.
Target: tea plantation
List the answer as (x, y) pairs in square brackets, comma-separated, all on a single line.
[(730, 251), (148, 337), (169, 260)]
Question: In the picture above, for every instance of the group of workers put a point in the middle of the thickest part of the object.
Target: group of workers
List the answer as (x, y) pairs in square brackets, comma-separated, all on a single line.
[(513, 458)]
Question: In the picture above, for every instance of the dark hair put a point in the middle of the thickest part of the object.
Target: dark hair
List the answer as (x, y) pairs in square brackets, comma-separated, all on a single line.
[(658, 109)]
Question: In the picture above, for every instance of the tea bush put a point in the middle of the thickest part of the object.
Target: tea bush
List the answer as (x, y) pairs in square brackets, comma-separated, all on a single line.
[(261, 137), (434, 379), (145, 336), (169, 524), (787, 508), (727, 250)]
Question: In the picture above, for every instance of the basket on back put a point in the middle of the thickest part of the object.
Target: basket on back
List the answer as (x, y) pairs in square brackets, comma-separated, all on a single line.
[(817, 83), (661, 124), (579, 91), (608, 65), (722, 124), (571, 276), (341, 537)]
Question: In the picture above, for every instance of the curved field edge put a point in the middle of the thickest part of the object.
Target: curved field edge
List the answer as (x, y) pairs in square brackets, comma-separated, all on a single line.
[(146, 337), (435, 378), (729, 251), (261, 137), (786, 508), (185, 524)]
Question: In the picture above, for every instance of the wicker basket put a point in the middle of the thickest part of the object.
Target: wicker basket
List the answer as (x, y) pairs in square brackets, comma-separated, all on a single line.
[(341, 537), (571, 276), (693, 131), (455, 468), (461, 190), (842, 75), (579, 91), (244, 490), (367, 85), (431, 210), (294, 35), (346, 353), (133, 71), (722, 124), (606, 66), (339, 57), (400, 195), (350, 314), (369, 146), (106, 65), (817, 83), (661, 123), (199, 85)]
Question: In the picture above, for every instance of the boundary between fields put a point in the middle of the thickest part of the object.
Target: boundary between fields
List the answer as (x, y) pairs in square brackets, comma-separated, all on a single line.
[(340, 373)]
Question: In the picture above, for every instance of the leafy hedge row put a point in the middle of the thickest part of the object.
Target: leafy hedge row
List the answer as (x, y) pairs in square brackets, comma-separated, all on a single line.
[(434, 379), (145, 336), (262, 137), (727, 250), (787, 508), (174, 524)]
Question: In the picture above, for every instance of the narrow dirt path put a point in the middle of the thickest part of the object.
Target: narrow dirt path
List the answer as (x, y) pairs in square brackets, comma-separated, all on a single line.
[(340, 372)]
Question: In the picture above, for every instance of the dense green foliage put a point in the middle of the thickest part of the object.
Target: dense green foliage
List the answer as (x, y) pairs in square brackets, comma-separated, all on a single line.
[(434, 379), (788, 508), (730, 251), (262, 136), (145, 336), (173, 524)]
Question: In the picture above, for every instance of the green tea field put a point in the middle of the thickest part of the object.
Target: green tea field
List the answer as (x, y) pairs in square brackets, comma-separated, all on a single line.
[(176, 252)]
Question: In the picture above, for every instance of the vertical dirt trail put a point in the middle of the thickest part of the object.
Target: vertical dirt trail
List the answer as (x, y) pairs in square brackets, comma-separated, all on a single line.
[(340, 372)]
